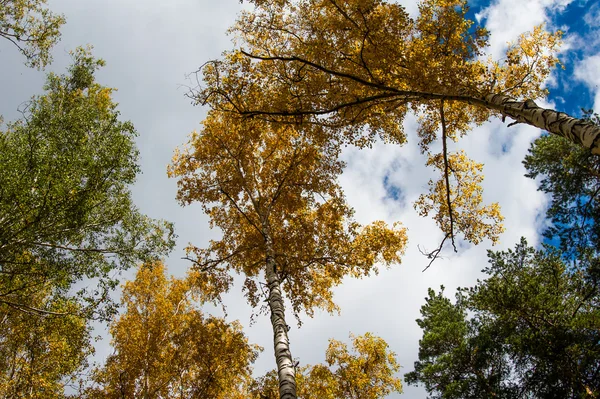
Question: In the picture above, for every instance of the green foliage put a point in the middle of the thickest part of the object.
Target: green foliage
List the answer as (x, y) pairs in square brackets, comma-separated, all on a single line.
[(66, 216), (66, 212), (32, 28), (529, 330)]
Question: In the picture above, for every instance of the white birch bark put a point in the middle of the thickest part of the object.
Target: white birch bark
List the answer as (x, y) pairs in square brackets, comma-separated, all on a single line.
[(576, 130), (285, 364)]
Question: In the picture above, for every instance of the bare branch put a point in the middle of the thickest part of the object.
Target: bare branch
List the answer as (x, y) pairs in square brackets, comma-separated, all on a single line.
[(447, 173), (433, 255)]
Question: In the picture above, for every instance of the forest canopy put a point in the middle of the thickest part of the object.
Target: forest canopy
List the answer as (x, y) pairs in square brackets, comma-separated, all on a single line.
[(327, 127)]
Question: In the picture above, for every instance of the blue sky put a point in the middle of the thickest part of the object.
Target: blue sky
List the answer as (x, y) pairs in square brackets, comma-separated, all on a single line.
[(151, 45)]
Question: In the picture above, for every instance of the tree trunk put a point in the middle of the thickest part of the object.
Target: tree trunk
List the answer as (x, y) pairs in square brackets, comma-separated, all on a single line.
[(285, 364), (576, 130)]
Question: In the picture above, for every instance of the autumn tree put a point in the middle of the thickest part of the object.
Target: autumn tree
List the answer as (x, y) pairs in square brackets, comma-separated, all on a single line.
[(355, 68), (164, 347), (66, 212), (366, 373), (530, 329), (286, 227), (41, 354), (32, 28)]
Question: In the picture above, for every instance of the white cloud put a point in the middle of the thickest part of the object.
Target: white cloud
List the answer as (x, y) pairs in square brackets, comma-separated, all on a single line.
[(507, 19), (588, 71), (592, 17)]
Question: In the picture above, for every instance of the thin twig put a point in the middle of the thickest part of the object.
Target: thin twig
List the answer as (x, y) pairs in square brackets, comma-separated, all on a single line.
[(433, 255)]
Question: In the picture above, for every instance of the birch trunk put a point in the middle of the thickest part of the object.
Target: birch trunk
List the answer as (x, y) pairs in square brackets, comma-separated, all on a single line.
[(576, 130), (285, 364)]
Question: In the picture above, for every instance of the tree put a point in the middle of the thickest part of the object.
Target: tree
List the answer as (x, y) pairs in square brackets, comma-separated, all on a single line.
[(272, 191), (367, 374), (164, 347), (533, 332), (32, 28), (66, 213), (458, 357), (356, 68), (375, 60), (571, 175), (67, 222), (41, 354)]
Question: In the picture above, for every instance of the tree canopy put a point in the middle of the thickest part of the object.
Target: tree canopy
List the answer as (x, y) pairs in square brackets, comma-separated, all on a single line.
[(256, 179), (355, 68), (530, 329), (42, 354), (366, 373), (164, 347), (67, 224), (305, 78), (286, 225), (32, 28), (66, 212)]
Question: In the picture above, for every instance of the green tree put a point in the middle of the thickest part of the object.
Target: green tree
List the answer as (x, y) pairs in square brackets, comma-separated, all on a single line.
[(66, 212), (164, 347), (528, 330), (32, 28), (67, 224), (571, 175)]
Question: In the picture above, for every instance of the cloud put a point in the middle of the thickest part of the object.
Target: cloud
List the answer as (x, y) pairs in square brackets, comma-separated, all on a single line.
[(592, 17), (587, 71), (507, 19)]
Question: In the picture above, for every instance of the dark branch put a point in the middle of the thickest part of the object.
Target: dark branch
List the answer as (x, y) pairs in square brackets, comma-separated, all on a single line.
[(447, 173), (433, 255)]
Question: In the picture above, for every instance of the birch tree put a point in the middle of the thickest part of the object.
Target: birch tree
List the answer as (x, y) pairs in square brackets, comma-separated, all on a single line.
[(356, 68), (164, 347), (66, 216), (367, 372), (286, 226), (41, 354)]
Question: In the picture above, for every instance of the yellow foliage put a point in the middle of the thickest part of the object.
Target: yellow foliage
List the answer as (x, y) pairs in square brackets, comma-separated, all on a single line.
[(40, 350), (351, 70), (257, 179), (164, 347), (474, 220), (367, 372)]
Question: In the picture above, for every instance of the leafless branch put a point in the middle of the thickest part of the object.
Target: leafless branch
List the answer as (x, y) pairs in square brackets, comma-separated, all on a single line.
[(447, 173), (433, 255)]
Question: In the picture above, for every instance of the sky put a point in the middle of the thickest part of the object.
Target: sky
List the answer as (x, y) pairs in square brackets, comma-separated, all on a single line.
[(152, 46)]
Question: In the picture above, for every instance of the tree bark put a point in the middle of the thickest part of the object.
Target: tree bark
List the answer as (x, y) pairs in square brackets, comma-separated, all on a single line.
[(285, 364), (579, 131)]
